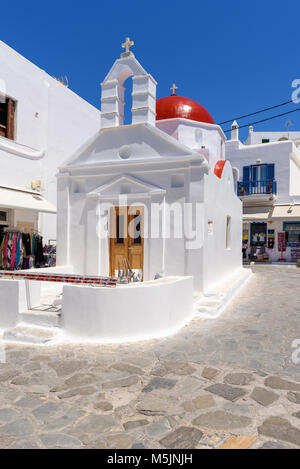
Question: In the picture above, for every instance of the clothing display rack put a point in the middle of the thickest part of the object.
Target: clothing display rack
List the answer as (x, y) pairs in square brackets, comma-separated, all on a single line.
[(19, 250)]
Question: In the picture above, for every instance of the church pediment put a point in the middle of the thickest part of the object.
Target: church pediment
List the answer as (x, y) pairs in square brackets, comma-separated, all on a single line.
[(132, 143), (126, 185)]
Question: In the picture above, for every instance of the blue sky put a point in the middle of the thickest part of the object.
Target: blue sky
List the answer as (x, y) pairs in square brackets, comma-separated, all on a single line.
[(232, 57)]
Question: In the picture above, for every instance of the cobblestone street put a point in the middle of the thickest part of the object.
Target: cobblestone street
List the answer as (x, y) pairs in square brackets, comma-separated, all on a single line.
[(223, 383)]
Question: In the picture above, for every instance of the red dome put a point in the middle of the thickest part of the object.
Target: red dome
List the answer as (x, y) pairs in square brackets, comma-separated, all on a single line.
[(174, 106)]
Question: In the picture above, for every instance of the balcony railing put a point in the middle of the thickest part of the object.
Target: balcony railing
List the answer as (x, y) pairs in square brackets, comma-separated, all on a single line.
[(256, 187)]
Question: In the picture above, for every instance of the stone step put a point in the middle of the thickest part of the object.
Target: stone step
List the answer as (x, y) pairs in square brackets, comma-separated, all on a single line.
[(24, 333), (41, 318)]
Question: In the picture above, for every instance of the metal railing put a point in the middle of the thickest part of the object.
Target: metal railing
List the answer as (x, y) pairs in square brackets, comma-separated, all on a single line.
[(245, 188)]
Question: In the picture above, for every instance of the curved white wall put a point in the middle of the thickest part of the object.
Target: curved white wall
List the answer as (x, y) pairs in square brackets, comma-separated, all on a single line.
[(127, 313)]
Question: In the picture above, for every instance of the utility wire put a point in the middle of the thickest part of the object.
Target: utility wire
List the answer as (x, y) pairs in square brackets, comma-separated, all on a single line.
[(257, 112), (267, 119)]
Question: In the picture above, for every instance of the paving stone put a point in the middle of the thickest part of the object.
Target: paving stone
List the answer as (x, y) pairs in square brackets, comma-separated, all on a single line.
[(119, 441), (221, 420), (199, 403), (132, 424), (40, 389), (263, 396), (104, 405), (236, 408), (275, 445), (21, 427), (134, 370), (46, 410), (29, 402), (159, 383), (182, 438), (138, 446), (280, 429), (59, 423), (294, 397), (210, 373), (158, 405), (95, 423), (21, 380), (158, 428), (278, 383), (60, 440), (238, 442), (29, 443), (121, 383), (225, 390), (83, 391), (239, 379), (80, 379), (65, 368), (181, 368), (6, 415), (31, 367), (6, 442)]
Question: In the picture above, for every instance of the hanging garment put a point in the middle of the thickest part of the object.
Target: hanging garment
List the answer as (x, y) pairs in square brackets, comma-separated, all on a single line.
[(4, 255), (19, 252), (1, 249), (13, 251), (33, 243), (9, 249), (27, 243)]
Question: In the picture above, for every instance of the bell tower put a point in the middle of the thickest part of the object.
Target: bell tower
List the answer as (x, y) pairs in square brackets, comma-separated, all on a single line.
[(143, 91)]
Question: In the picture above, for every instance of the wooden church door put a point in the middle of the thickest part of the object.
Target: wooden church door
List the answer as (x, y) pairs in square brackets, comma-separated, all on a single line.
[(126, 238)]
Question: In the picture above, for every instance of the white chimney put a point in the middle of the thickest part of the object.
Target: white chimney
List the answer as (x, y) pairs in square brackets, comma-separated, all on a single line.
[(234, 131)]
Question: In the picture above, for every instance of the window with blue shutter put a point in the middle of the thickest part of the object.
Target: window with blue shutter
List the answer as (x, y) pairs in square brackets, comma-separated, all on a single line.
[(246, 173), (270, 172)]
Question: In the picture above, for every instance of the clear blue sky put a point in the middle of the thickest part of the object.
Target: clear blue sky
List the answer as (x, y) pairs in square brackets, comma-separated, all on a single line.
[(232, 57)]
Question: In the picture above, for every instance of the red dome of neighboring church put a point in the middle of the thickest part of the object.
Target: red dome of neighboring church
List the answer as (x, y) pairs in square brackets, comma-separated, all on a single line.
[(174, 106)]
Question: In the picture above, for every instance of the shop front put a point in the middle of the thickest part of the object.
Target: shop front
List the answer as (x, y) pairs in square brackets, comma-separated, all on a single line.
[(21, 241), (271, 234)]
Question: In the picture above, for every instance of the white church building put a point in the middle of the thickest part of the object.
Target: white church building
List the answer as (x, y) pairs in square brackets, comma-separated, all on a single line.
[(267, 169), (165, 174), (150, 210)]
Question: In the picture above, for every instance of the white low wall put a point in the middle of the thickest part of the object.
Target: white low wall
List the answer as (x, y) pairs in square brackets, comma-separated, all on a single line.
[(128, 312), (13, 300)]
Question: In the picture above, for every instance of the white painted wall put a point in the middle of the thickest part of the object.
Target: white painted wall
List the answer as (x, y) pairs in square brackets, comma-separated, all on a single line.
[(207, 139), (255, 138), (127, 313), (51, 123)]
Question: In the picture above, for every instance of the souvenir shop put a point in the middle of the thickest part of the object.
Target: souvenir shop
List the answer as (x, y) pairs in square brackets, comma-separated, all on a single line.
[(272, 234), (21, 243)]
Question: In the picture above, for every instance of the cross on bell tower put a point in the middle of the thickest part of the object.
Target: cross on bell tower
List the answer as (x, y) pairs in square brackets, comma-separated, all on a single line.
[(126, 45)]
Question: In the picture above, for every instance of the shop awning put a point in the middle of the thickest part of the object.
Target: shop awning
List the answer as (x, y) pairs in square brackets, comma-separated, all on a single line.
[(286, 211), (267, 213), (256, 213), (15, 198)]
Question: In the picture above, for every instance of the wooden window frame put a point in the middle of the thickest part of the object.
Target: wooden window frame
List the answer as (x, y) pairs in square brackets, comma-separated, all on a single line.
[(10, 118)]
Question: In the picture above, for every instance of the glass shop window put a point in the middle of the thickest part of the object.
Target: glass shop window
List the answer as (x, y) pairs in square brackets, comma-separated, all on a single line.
[(292, 232), (258, 234)]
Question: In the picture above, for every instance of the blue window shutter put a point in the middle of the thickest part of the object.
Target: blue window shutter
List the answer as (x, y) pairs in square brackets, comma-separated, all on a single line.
[(246, 173), (270, 172)]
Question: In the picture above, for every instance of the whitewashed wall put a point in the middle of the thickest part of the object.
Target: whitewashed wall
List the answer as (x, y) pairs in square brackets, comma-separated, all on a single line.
[(50, 119)]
